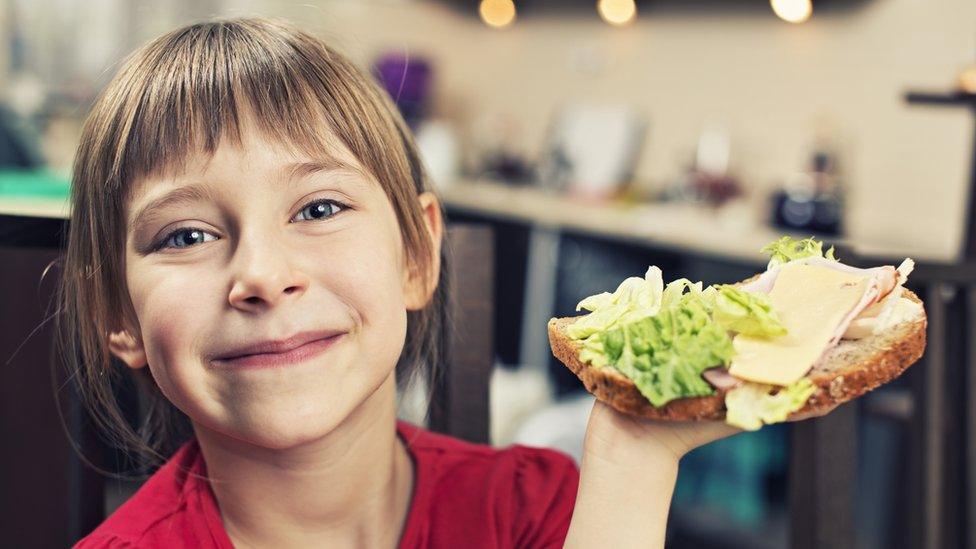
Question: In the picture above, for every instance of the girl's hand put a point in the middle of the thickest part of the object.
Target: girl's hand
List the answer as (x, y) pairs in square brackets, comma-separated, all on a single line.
[(615, 436), (612, 432), (627, 476)]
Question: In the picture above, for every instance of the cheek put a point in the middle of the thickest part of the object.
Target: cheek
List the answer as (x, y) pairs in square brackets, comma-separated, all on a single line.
[(363, 269), (175, 306), (174, 312)]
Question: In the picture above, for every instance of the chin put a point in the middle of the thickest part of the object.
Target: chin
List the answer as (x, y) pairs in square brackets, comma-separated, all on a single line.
[(271, 439), (281, 429), (295, 416)]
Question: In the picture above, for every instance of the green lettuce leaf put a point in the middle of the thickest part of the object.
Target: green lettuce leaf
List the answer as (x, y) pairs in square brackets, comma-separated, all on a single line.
[(787, 249), (750, 405), (675, 292), (745, 312), (665, 355), (634, 299), (592, 352)]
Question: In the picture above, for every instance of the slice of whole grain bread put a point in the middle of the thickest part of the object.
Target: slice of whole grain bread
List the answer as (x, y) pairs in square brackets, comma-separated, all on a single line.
[(848, 371)]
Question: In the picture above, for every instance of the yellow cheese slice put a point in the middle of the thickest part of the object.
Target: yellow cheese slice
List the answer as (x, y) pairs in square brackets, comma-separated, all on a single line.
[(811, 301)]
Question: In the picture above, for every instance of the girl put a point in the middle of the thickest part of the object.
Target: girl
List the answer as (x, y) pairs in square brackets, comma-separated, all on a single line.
[(253, 235)]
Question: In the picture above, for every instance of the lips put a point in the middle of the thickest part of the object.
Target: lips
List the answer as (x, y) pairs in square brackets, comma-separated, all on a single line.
[(274, 353)]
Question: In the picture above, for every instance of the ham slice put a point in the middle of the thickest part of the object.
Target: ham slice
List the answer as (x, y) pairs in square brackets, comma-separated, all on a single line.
[(721, 379), (872, 317)]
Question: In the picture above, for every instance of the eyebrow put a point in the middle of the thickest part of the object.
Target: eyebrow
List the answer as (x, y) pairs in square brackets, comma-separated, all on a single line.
[(299, 170), (197, 192), (183, 195)]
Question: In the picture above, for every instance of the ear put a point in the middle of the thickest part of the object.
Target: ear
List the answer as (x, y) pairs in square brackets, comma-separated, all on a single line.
[(416, 293), (128, 349)]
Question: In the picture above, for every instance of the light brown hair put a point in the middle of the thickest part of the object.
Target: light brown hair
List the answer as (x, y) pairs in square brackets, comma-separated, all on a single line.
[(185, 92)]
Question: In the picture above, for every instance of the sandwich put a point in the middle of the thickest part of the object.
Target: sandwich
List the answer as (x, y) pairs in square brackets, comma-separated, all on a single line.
[(807, 334)]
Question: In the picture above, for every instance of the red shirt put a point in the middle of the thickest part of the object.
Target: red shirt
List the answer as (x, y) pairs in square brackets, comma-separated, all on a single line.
[(465, 495)]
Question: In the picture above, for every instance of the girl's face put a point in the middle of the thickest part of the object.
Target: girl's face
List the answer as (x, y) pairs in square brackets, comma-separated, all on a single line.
[(253, 245)]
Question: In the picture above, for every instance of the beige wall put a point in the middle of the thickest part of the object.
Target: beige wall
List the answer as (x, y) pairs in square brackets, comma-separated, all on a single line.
[(771, 82)]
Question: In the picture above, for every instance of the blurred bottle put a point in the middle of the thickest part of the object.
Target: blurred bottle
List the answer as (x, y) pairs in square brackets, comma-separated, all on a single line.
[(709, 180), (438, 144), (497, 149), (712, 179), (812, 200)]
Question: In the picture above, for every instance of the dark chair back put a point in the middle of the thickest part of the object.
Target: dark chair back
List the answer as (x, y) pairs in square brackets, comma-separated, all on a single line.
[(459, 404), (48, 497)]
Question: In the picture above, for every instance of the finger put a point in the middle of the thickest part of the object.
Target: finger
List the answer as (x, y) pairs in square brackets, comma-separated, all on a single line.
[(699, 433)]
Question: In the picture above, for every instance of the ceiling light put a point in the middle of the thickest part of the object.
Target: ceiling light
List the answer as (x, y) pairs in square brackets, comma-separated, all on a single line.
[(793, 11), (497, 13), (617, 12)]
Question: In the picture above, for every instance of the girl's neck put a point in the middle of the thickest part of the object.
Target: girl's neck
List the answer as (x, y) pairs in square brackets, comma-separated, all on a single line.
[(337, 490)]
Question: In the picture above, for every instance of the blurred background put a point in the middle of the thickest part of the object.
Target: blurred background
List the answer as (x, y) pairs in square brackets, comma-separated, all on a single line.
[(596, 138)]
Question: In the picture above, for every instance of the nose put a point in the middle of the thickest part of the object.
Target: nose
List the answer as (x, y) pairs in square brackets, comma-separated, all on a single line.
[(264, 275)]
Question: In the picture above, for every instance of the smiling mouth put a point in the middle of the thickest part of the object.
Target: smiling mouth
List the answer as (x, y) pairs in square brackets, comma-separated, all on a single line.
[(296, 355)]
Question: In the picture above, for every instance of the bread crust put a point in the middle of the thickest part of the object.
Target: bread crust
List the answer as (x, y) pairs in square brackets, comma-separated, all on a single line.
[(850, 370)]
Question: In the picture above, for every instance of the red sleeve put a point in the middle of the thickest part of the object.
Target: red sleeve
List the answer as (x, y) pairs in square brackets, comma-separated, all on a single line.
[(96, 541), (545, 494)]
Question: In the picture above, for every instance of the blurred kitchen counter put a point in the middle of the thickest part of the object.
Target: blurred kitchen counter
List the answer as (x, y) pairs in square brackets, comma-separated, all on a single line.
[(35, 193), (730, 233), (734, 232), (46, 207)]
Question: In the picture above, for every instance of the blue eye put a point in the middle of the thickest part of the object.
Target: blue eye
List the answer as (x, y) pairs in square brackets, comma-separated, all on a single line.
[(185, 237), (319, 209)]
